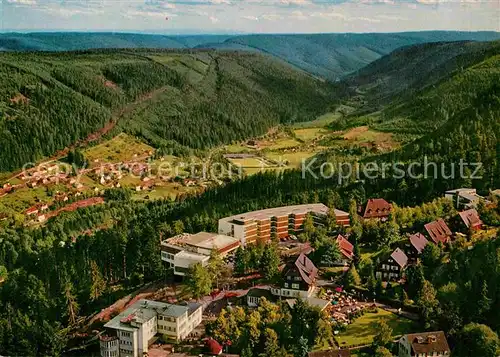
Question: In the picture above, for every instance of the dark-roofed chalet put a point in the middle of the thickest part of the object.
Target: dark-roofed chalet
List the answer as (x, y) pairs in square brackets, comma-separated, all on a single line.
[(470, 219), (346, 250), (416, 245), (438, 231), (330, 353), (299, 276), (424, 344), (392, 268), (376, 208)]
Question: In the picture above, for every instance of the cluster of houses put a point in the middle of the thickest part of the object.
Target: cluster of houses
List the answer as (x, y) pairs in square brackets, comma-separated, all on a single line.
[(130, 332), (436, 232)]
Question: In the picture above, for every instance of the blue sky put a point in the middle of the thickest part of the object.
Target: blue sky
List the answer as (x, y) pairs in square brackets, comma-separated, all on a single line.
[(249, 16)]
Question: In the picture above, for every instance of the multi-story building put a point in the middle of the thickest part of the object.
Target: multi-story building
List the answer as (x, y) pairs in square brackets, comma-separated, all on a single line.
[(464, 198), (130, 333), (183, 251), (424, 344), (283, 221)]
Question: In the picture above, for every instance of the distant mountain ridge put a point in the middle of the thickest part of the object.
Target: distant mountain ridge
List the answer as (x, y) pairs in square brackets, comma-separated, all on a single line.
[(331, 56)]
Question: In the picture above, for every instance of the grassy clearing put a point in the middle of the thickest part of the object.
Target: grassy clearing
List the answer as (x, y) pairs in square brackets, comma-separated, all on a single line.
[(21, 199), (169, 191), (290, 160), (309, 134), (320, 122), (121, 148), (363, 329), (251, 162), (280, 144)]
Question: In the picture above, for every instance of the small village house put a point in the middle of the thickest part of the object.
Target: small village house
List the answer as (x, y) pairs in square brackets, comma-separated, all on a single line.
[(376, 208), (346, 251), (424, 344), (393, 267), (416, 245), (470, 220), (299, 279), (438, 231)]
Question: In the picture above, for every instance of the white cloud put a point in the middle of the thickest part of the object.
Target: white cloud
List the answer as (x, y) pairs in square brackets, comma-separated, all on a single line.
[(296, 2), (328, 15), (272, 17), (299, 15), (140, 13), (364, 19), (250, 17), (392, 17), (22, 2)]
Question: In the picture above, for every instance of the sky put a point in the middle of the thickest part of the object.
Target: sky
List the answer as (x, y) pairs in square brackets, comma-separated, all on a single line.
[(249, 16)]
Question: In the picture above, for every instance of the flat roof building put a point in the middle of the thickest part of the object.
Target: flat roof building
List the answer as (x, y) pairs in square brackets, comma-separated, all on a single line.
[(132, 330), (184, 250), (283, 221)]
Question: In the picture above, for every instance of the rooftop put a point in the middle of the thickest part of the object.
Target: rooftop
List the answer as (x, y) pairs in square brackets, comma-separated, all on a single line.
[(438, 231), (428, 342), (204, 240), (400, 257), (470, 218), (418, 241), (346, 248), (318, 208), (377, 208), (142, 311), (192, 256), (306, 269), (463, 189)]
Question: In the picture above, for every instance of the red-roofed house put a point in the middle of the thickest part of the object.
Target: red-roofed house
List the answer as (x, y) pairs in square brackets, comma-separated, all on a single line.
[(424, 344), (376, 208), (31, 211), (392, 268), (438, 231), (212, 347), (470, 219), (417, 243), (299, 279), (346, 250)]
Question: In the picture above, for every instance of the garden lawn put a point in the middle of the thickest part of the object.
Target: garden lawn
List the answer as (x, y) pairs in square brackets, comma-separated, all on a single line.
[(363, 329)]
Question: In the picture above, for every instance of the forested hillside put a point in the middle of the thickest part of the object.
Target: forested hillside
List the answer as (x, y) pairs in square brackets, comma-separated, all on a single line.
[(330, 56), (81, 261), (49, 102), (411, 69)]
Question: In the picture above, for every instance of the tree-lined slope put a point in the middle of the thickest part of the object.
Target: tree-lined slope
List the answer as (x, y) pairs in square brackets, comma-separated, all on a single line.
[(198, 100), (330, 56)]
